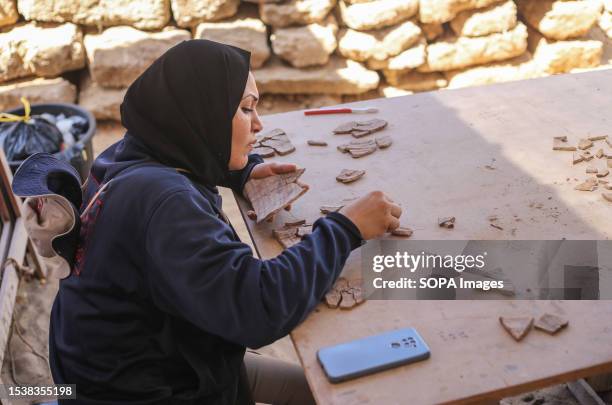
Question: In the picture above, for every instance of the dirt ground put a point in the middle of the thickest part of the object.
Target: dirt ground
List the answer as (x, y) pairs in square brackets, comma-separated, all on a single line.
[(26, 359)]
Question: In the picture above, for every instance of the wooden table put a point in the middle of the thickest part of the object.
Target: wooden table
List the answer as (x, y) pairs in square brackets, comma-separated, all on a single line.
[(469, 153)]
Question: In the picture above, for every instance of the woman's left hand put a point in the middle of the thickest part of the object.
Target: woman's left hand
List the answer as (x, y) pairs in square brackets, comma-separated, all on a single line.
[(263, 170)]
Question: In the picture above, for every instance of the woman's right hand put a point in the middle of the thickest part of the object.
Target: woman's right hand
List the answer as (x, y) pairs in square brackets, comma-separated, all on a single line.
[(374, 214)]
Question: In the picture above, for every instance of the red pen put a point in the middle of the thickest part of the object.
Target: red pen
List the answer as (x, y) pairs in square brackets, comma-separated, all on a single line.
[(322, 111)]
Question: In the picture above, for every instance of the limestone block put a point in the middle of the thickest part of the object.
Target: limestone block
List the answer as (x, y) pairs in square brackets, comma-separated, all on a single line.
[(142, 14), (409, 59), (295, 12), (103, 103), (459, 52), (378, 45), (339, 76), (308, 45), (416, 81), (119, 55), (441, 11), (560, 19), (8, 12), (36, 91), (498, 17), (40, 50), (377, 14), (519, 68), (562, 56), (246, 32), (189, 13)]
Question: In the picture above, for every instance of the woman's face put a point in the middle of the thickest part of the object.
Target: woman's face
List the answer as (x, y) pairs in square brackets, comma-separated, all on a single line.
[(245, 125)]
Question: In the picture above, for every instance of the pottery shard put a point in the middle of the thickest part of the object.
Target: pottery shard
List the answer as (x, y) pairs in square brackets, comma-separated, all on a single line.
[(441, 11), (310, 45), (295, 12), (586, 155), (142, 14), (349, 176), (585, 144), (599, 154), (245, 30), (560, 143), (597, 138), (189, 13), (346, 128), (361, 128), (118, 55), (277, 140), (377, 13), (40, 50), (560, 19), (498, 17), (8, 12), (384, 141), (103, 102), (38, 90), (517, 326), (459, 52), (553, 57), (271, 194), (551, 323), (591, 170), (359, 149), (402, 231), (380, 44), (314, 142), (588, 185), (339, 76), (291, 234), (345, 294), (332, 299), (264, 151), (326, 209), (446, 222)]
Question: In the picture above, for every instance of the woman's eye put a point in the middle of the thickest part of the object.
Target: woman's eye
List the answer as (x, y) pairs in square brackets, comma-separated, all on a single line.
[(247, 110)]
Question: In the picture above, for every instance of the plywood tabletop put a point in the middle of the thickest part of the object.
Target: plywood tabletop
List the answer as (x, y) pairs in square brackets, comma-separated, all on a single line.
[(469, 153)]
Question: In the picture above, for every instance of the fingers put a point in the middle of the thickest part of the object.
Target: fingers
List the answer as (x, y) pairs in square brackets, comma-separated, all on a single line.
[(281, 168), (394, 223), (396, 210), (288, 207)]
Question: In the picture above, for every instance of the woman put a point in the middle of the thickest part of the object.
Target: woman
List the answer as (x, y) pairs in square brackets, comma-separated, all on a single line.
[(164, 298)]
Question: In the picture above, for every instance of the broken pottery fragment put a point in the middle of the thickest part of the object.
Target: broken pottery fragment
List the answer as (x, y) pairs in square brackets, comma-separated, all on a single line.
[(597, 137), (384, 141), (602, 173), (591, 170), (349, 175), (264, 151), (289, 235), (577, 158), (326, 209), (252, 215), (517, 326), (586, 155), (332, 298), (277, 140), (361, 128), (314, 142), (402, 231), (585, 144), (551, 323), (588, 185), (271, 194), (560, 143), (297, 222), (446, 222), (345, 128), (345, 294), (599, 154)]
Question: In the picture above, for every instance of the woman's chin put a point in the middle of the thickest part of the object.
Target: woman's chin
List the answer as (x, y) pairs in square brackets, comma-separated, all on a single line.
[(239, 165)]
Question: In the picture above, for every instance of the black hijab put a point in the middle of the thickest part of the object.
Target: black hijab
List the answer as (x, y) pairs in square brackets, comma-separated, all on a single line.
[(182, 107)]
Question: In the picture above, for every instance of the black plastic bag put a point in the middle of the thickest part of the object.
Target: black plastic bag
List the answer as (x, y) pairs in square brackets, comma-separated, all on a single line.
[(24, 138)]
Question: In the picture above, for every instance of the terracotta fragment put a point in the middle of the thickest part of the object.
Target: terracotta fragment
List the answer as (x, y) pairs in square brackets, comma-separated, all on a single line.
[(271, 194), (332, 299), (384, 141), (599, 154), (252, 215), (313, 142), (577, 158), (361, 128), (297, 222), (348, 301), (597, 138), (609, 141), (372, 125), (277, 140), (585, 144), (551, 323), (304, 230), (326, 209), (345, 128), (264, 151), (517, 326), (588, 185), (591, 170), (349, 176), (586, 155), (402, 231), (446, 222), (286, 236), (602, 172), (357, 133), (560, 143)]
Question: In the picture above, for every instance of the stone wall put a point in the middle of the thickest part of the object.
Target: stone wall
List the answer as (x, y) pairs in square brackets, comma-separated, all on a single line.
[(305, 53)]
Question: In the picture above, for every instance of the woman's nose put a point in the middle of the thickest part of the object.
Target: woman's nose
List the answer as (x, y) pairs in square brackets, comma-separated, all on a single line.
[(257, 125)]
